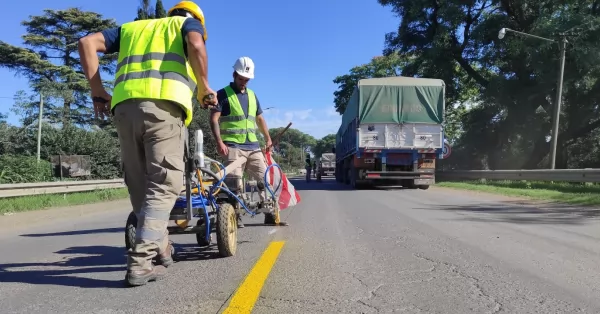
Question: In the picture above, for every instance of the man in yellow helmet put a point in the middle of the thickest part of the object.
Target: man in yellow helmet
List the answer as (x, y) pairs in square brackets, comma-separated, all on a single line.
[(160, 62)]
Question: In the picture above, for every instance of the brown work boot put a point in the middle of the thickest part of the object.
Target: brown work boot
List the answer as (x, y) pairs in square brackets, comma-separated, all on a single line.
[(165, 258), (143, 276)]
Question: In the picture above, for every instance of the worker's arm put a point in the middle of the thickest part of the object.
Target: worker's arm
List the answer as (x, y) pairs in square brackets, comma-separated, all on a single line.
[(89, 46), (214, 125), (193, 31), (262, 124), (221, 109)]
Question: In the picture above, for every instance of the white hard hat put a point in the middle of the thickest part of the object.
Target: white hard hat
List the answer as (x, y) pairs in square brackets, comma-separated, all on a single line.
[(244, 67)]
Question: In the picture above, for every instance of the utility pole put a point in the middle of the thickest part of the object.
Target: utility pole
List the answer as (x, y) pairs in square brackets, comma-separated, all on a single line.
[(556, 112), (557, 103), (39, 138)]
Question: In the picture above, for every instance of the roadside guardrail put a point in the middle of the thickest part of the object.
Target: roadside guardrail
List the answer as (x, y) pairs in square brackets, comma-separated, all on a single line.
[(28, 189), (561, 175)]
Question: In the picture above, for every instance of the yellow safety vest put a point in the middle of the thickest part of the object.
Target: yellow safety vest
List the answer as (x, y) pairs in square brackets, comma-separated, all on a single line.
[(152, 64), (236, 125)]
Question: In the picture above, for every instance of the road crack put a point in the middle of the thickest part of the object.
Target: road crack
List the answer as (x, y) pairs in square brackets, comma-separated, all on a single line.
[(371, 293), (269, 302), (475, 282)]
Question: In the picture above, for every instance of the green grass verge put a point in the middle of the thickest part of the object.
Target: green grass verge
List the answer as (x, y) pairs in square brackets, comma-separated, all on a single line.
[(45, 201), (563, 192)]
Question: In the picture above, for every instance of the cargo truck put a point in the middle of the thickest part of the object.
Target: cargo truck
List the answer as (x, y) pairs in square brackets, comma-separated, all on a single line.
[(391, 132)]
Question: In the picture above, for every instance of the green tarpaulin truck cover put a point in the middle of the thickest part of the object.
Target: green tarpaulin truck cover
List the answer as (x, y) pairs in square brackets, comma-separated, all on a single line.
[(396, 99)]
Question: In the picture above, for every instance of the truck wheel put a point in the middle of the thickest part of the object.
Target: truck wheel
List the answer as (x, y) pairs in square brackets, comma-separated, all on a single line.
[(424, 187), (409, 184), (354, 180), (347, 176)]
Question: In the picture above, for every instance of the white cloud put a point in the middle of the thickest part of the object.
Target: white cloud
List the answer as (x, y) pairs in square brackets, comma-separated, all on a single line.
[(297, 114), (317, 123)]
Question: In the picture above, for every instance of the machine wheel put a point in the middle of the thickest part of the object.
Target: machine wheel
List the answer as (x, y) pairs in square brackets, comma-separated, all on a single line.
[(226, 230), (130, 228), (424, 187), (200, 237)]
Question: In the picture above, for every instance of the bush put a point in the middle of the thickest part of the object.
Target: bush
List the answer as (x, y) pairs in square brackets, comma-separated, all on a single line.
[(24, 169)]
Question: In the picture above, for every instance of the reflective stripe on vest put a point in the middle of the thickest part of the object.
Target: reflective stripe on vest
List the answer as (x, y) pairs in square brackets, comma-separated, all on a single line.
[(154, 69), (236, 126)]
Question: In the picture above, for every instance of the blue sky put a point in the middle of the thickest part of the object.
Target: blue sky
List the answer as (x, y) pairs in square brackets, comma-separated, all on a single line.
[(298, 48)]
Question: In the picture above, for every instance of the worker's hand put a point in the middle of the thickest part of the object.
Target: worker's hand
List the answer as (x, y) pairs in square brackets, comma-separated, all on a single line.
[(268, 145), (223, 149), (101, 100), (208, 98)]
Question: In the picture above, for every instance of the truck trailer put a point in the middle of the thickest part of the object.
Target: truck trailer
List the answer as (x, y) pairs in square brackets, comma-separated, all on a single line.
[(391, 131)]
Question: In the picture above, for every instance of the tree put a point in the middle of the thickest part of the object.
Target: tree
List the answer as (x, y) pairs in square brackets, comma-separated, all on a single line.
[(160, 11), (294, 137), (292, 147), (201, 121), (381, 66), (51, 64), (145, 11), (324, 145)]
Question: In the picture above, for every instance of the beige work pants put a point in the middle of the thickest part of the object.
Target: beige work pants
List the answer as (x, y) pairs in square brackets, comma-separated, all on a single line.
[(254, 164), (151, 134)]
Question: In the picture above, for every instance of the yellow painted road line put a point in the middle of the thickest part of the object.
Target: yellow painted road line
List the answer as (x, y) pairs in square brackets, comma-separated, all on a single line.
[(246, 295)]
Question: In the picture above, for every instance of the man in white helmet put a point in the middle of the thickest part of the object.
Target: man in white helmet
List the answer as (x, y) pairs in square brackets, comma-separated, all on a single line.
[(233, 123)]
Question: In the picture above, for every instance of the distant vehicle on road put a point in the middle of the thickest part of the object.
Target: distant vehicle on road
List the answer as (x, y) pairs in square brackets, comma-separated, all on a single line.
[(327, 164), (391, 131)]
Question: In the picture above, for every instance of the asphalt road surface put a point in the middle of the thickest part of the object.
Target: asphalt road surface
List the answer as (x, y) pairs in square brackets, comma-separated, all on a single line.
[(345, 251)]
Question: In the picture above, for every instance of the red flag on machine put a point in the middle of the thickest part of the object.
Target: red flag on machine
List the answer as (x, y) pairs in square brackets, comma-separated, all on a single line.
[(285, 192)]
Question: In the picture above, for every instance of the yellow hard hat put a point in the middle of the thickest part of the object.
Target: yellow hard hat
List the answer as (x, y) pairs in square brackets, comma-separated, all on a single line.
[(193, 9)]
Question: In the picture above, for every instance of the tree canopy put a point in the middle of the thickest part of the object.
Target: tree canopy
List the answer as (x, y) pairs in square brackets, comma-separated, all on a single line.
[(146, 11), (51, 64), (381, 66), (324, 145)]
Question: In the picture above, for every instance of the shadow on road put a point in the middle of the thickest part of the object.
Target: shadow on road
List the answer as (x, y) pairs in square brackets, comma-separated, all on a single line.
[(523, 212), (192, 252), (97, 259), (78, 264), (327, 184), (75, 232)]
